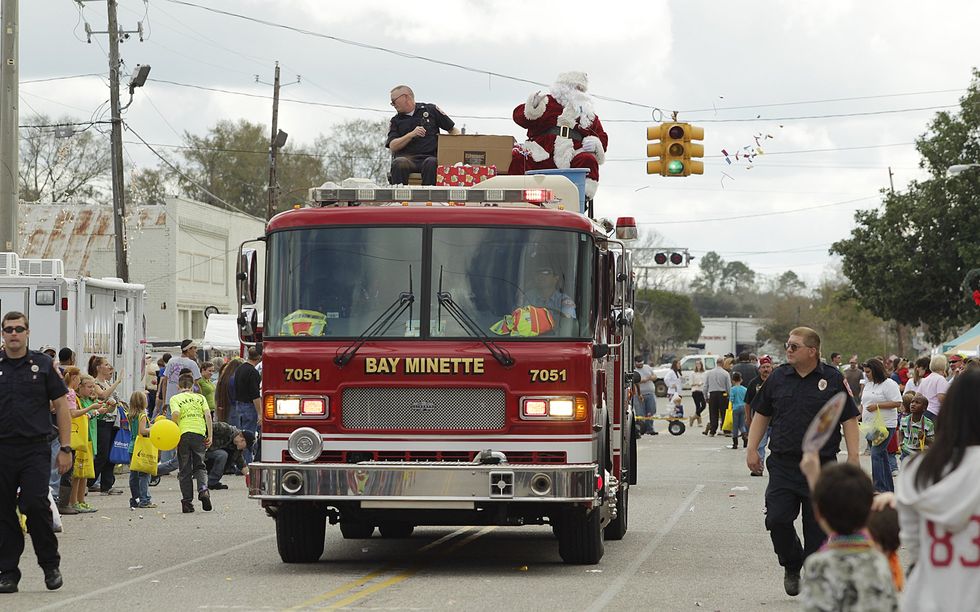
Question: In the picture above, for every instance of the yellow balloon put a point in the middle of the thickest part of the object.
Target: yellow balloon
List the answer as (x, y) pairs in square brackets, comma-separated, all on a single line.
[(165, 435)]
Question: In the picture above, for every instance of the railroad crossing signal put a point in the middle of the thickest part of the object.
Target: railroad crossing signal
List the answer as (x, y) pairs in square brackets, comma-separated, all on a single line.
[(672, 258), (672, 155)]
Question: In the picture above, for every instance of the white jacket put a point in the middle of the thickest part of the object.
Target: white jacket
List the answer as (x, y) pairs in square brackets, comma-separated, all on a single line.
[(940, 527)]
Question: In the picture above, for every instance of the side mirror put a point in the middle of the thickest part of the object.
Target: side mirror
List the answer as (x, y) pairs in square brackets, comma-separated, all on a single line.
[(633, 378), (623, 317), (248, 323), (247, 277)]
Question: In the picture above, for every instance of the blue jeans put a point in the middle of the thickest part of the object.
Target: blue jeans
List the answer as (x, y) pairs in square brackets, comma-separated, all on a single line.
[(139, 488), (645, 406), (763, 443), (738, 423), (244, 417), (881, 470)]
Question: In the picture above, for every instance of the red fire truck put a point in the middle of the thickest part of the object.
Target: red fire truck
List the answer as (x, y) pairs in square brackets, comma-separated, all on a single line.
[(444, 356)]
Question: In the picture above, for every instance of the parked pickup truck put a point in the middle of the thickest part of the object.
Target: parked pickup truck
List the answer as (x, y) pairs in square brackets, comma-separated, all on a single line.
[(687, 366)]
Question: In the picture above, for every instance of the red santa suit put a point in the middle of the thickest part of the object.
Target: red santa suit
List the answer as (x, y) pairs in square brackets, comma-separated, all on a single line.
[(563, 131)]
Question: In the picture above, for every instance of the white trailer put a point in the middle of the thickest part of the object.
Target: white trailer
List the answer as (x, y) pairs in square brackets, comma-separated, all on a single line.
[(90, 316)]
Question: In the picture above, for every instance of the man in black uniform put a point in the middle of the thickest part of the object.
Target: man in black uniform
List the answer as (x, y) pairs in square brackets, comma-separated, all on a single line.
[(29, 383), (788, 401), (413, 136)]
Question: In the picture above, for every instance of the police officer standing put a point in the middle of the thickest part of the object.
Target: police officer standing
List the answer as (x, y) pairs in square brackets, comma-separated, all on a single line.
[(788, 401), (29, 383), (413, 136)]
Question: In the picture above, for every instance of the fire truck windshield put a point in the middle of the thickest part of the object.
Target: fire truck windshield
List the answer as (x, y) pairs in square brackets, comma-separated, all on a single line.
[(515, 283)]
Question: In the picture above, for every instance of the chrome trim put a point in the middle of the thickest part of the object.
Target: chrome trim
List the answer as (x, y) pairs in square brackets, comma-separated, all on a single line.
[(443, 481)]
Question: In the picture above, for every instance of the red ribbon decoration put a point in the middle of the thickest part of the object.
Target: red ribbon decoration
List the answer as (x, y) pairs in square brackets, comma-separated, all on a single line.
[(976, 297)]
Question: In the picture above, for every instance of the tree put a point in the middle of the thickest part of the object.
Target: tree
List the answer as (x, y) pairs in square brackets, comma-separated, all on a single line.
[(906, 261), (231, 161), (355, 149), (148, 186), (664, 320), (788, 283), (738, 278), (712, 274), (56, 167), (649, 275)]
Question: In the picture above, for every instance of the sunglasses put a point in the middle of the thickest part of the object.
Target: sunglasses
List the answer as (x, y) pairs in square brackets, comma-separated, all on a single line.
[(14, 330), (792, 346), (396, 98)]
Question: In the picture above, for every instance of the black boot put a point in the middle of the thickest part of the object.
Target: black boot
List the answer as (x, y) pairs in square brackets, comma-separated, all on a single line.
[(745, 441), (735, 443), (187, 506)]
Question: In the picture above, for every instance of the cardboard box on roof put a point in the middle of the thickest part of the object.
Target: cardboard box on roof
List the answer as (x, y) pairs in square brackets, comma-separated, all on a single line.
[(474, 150)]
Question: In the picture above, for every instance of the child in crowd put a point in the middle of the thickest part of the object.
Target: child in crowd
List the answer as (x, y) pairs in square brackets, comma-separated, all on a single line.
[(915, 432), (737, 397), (139, 482), (206, 386), (190, 411), (905, 408), (678, 402), (883, 527), (847, 573), (87, 406)]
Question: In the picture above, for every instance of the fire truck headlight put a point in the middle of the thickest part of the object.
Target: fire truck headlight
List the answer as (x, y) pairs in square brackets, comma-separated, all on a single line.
[(287, 406), (557, 408), (305, 444), (564, 408)]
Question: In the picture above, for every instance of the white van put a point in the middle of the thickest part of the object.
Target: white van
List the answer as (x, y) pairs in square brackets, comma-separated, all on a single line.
[(687, 366)]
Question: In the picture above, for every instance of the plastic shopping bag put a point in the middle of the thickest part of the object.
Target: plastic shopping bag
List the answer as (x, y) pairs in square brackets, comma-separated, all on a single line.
[(84, 463), (874, 430), (145, 456), (119, 453), (79, 432), (727, 424)]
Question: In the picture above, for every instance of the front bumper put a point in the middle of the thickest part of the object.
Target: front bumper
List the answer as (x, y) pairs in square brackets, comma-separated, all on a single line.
[(422, 482)]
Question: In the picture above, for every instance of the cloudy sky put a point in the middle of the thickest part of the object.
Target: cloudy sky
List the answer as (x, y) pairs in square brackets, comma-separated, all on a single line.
[(811, 79)]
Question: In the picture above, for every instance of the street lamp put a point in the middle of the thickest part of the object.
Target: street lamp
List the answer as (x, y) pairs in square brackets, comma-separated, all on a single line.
[(958, 168)]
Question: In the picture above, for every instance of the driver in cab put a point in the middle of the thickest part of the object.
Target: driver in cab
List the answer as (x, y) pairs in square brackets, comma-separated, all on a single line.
[(545, 291)]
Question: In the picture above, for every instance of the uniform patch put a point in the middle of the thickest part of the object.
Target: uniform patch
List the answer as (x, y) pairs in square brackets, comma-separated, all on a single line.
[(822, 385), (34, 368)]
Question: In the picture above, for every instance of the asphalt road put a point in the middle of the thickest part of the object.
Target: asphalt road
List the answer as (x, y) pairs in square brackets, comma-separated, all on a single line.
[(696, 541)]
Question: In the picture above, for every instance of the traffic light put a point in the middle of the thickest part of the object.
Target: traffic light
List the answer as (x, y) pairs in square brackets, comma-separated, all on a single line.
[(675, 149), (672, 258)]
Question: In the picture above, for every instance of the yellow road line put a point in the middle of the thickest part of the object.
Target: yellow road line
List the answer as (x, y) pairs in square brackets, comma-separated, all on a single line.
[(405, 575), (371, 576)]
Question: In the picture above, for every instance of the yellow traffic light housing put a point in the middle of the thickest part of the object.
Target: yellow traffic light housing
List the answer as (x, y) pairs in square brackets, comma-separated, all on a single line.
[(675, 149)]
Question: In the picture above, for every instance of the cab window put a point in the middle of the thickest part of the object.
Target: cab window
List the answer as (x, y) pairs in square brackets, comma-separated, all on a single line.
[(709, 362)]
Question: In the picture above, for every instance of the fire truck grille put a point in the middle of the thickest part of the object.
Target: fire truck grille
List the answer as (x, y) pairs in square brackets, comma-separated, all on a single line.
[(394, 408)]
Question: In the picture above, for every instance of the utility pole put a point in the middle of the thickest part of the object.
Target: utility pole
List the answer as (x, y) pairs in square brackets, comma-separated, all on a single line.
[(274, 150), (9, 119), (118, 188), (891, 181), (276, 141)]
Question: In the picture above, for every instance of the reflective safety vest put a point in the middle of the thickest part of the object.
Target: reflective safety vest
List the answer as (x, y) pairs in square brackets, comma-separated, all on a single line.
[(304, 323), (525, 321)]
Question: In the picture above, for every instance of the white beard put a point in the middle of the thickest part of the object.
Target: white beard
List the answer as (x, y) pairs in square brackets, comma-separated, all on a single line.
[(578, 104)]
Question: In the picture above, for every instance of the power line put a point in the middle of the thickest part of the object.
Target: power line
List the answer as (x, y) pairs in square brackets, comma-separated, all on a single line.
[(755, 215), (395, 52), (824, 101), (831, 116), (63, 78), (768, 153), (56, 125)]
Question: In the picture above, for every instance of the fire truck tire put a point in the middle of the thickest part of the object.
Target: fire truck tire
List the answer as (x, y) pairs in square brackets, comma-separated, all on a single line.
[(660, 387), (580, 536), (616, 528), (356, 530), (300, 531), (396, 530), (676, 428)]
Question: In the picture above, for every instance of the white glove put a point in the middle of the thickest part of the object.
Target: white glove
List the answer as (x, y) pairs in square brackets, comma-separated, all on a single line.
[(589, 146)]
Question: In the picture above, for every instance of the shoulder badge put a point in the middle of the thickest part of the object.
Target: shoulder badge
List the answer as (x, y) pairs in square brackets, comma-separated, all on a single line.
[(822, 385), (34, 368)]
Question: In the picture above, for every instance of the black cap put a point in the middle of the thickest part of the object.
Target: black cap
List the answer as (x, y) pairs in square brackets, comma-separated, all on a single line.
[(65, 354)]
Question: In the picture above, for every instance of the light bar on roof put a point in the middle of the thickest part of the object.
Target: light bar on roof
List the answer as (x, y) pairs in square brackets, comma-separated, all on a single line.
[(340, 195)]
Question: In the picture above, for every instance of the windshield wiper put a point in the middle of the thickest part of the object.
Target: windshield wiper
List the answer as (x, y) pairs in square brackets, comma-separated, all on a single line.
[(466, 322), (377, 327)]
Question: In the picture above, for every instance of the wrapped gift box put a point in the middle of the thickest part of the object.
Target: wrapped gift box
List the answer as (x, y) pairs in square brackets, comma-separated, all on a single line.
[(463, 176)]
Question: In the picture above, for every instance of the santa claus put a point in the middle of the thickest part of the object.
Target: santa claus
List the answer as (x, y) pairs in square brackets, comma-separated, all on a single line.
[(563, 131)]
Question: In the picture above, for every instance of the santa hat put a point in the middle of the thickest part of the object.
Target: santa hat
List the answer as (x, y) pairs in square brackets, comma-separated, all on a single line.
[(577, 80), (765, 359)]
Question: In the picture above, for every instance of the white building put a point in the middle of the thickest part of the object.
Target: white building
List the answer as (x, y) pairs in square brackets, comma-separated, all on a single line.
[(183, 251)]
